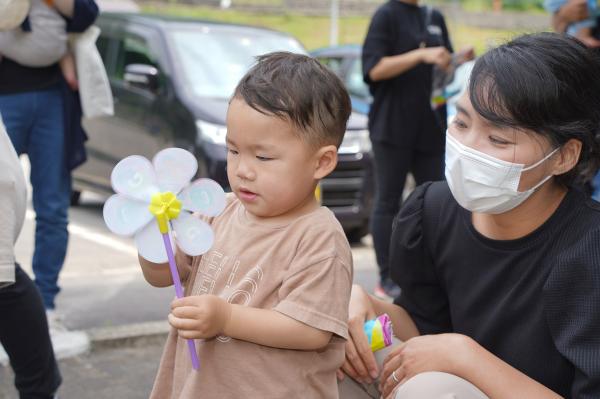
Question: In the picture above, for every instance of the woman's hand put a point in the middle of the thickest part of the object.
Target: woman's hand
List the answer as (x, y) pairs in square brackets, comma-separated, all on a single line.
[(443, 352), (360, 363), (466, 54), (67, 67), (439, 56)]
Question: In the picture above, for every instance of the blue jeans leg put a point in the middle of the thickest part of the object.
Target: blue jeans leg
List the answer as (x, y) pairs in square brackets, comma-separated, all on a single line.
[(50, 179)]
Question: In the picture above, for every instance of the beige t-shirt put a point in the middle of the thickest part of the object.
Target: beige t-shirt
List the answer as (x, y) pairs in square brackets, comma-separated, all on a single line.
[(303, 270)]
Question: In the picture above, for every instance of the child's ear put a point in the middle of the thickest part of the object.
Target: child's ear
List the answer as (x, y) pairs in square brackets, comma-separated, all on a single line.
[(569, 156), (326, 161)]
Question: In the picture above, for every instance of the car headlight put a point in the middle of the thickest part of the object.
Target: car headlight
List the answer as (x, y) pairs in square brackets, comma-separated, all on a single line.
[(355, 141), (211, 132)]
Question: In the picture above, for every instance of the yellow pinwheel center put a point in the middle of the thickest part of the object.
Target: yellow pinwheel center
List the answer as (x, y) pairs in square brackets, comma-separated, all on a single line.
[(164, 206)]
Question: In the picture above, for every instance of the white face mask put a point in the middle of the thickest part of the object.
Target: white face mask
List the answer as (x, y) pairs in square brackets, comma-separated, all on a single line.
[(483, 184)]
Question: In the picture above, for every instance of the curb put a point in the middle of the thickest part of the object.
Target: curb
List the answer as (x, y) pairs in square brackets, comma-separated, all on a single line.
[(136, 334), (131, 335)]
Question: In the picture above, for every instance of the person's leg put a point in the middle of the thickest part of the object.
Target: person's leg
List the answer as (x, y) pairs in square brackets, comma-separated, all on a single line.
[(24, 335), (51, 183), (428, 167), (350, 389), (437, 385), (16, 111), (391, 165)]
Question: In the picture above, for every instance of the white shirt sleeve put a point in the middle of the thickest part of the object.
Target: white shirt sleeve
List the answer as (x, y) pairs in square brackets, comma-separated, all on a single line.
[(13, 197)]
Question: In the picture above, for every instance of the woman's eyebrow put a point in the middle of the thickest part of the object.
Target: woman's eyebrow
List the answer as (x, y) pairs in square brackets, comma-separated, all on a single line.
[(462, 110)]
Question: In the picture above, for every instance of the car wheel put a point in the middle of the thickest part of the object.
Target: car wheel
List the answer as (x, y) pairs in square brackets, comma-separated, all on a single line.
[(75, 197)]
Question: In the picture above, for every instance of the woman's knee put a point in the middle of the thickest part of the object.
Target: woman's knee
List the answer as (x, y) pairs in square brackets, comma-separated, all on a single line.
[(438, 385)]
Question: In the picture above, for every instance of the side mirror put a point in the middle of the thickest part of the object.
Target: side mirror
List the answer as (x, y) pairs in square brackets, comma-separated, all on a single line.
[(142, 76)]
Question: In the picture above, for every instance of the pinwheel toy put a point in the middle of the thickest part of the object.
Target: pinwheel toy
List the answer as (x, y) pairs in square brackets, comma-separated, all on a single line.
[(161, 190)]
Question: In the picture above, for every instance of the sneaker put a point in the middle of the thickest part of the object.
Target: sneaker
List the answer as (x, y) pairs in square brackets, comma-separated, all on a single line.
[(387, 290), (379, 292), (64, 342)]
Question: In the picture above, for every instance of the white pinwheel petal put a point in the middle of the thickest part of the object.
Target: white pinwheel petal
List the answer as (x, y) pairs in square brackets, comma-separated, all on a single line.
[(125, 216), (205, 196), (134, 177), (174, 168), (194, 236), (150, 244)]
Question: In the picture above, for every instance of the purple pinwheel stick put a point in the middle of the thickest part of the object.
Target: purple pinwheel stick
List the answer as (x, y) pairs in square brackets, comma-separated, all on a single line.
[(166, 206)]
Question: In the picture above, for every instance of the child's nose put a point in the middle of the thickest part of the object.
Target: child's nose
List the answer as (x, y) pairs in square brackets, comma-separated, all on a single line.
[(244, 171)]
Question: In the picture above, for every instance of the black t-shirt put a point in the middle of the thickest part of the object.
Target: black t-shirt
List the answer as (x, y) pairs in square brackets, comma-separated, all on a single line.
[(17, 78), (533, 302), (401, 113)]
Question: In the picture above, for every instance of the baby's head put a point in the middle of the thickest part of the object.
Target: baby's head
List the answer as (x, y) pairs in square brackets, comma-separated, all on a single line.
[(285, 122)]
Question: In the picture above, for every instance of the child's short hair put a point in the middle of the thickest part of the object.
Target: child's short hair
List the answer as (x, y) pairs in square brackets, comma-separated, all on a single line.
[(299, 89)]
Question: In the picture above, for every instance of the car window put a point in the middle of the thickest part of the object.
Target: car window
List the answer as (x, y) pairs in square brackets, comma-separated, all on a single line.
[(334, 63), (214, 60), (133, 50), (354, 80)]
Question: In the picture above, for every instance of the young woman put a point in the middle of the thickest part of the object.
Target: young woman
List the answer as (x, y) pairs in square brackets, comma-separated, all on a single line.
[(500, 266)]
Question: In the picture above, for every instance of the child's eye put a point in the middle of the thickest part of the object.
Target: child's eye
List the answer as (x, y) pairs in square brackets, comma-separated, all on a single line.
[(232, 151), (263, 158)]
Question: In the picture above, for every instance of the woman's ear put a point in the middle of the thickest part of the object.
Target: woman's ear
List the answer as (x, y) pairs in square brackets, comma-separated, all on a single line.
[(568, 156), (326, 161)]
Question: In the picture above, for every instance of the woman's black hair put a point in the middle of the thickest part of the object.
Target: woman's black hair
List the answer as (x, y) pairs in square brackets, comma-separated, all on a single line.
[(547, 83)]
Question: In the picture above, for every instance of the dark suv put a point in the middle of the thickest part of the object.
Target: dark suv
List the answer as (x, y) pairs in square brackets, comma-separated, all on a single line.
[(172, 79)]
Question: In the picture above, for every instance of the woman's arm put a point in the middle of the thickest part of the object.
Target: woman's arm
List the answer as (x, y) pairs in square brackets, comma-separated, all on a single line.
[(496, 378), (403, 325), (392, 66), (65, 7), (459, 355)]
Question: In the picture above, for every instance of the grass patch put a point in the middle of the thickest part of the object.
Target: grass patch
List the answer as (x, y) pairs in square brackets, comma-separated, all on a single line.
[(313, 32)]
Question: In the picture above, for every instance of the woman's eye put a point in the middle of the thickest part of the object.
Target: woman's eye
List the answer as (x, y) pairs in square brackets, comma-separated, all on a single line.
[(458, 123), (499, 141), (263, 158)]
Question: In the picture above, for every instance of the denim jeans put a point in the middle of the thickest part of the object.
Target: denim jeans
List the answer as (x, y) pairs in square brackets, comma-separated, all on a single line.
[(35, 123)]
